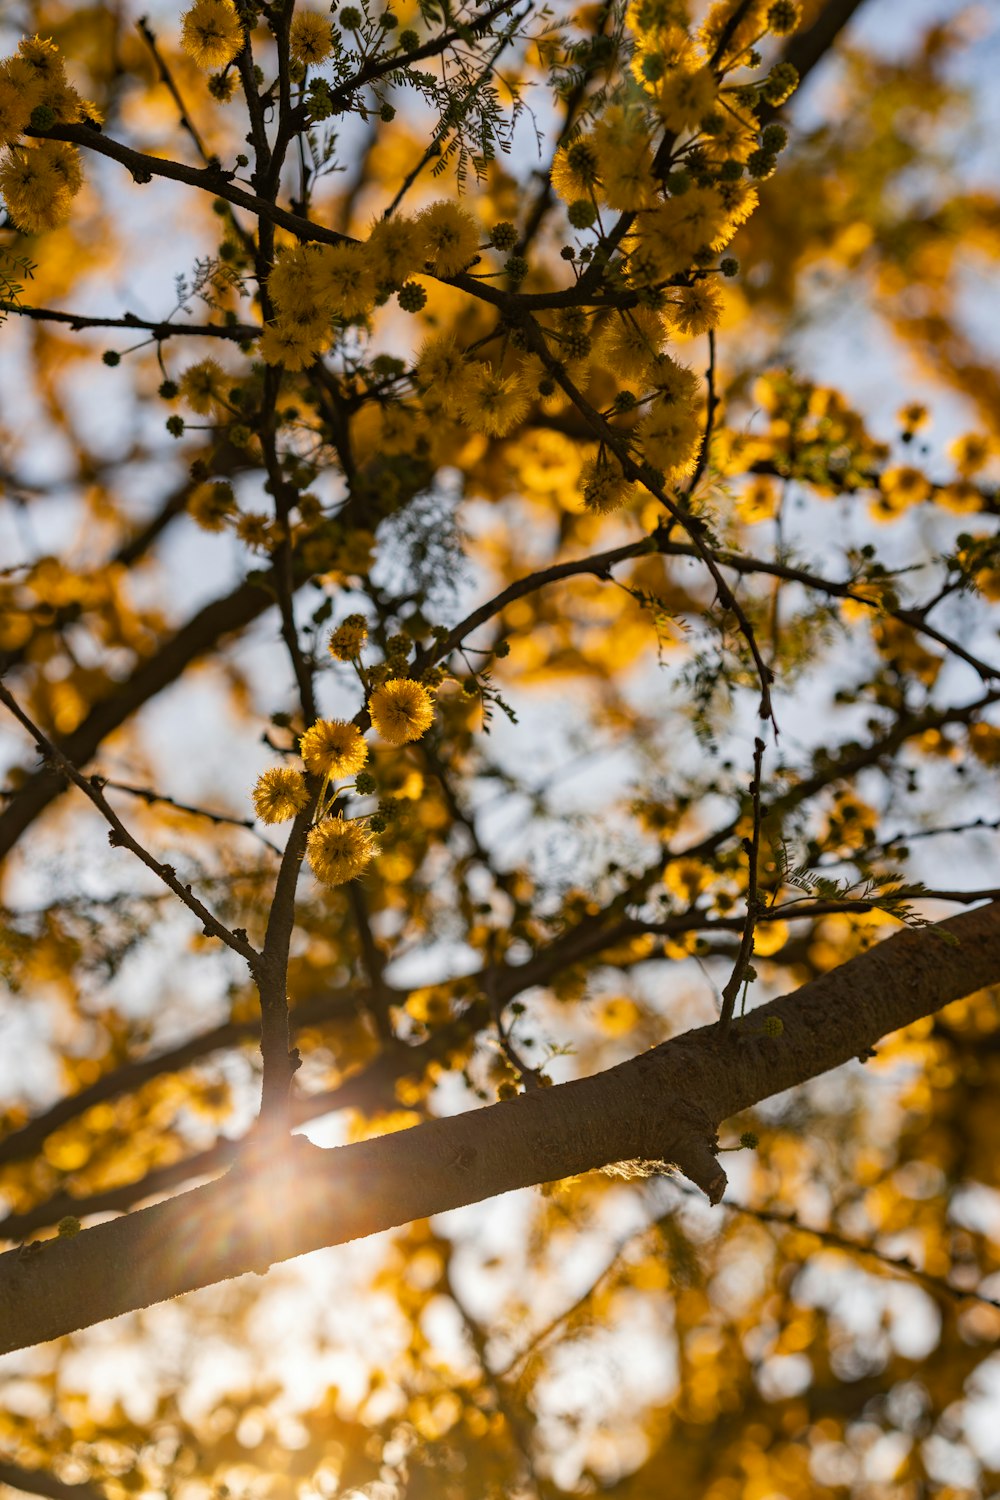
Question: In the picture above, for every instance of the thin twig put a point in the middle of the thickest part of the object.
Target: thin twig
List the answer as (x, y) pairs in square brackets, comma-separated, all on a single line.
[(752, 847), (120, 836)]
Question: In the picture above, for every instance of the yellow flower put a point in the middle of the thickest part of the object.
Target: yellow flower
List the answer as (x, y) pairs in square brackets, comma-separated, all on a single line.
[(452, 237), (34, 188), (913, 416), (42, 56), (493, 403), (759, 501), (255, 530), (292, 347), (347, 281), (901, 486), (695, 309), (396, 248), (279, 794), (350, 635), (670, 438), (201, 385), (211, 33), (575, 170), (296, 281), (309, 38), (604, 486), (629, 341), (684, 98), (18, 97), (333, 747), (339, 850), (443, 372), (970, 453), (211, 505), (401, 711)]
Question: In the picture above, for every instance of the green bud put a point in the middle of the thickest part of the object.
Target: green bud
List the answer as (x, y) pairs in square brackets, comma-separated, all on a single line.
[(582, 213), (42, 117)]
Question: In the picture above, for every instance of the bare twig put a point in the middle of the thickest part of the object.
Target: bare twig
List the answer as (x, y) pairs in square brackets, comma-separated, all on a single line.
[(120, 836), (752, 848)]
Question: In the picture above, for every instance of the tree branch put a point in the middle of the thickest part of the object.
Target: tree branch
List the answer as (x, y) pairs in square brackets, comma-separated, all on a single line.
[(664, 1104)]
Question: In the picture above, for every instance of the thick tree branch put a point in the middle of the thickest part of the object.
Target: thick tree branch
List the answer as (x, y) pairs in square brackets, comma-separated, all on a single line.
[(665, 1104)]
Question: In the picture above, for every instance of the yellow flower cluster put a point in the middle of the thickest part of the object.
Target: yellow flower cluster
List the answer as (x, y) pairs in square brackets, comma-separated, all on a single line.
[(401, 711), (38, 179), (314, 287), (211, 33)]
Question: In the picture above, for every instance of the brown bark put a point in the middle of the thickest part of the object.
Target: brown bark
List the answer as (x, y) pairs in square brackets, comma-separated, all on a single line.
[(665, 1104)]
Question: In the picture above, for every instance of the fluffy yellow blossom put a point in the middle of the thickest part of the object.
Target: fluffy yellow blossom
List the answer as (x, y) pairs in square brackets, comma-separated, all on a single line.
[(604, 486), (913, 416), (42, 56), (674, 381), (338, 851), (256, 530), (621, 136), (37, 184), (695, 309), (18, 98), (279, 794), (401, 710), (576, 170), (202, 385), (493, 403), (759, 501), (970, 453), (396, 248), (901, 486), (962, 497), (684, 97), (333, 747), (443, 372), (292, 347), (295, 284), (310, 39), (629, 341), (212, 505), (670, 437), (346, 641), (211, 33), (347, 281), (452, 237)]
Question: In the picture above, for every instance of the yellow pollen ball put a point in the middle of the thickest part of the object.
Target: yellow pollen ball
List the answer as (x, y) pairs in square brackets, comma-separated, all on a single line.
[(211, 33), (333, 747), (279, 794), (338, 851), (401, 711)]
